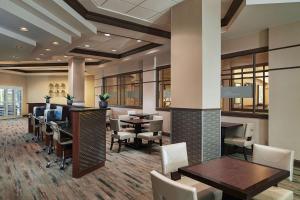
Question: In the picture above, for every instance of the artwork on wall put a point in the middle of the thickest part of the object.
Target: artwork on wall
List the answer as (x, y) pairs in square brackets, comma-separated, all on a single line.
[(57, 89)]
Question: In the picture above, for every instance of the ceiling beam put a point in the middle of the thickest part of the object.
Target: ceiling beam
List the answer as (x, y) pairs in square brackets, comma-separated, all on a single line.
[(17, 36), (235, 5), (61, 64)]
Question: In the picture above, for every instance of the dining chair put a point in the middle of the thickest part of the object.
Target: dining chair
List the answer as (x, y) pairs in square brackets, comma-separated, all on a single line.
[(277, 158), (131, 112), (175, 156), (120, 135), (125, 126), (242, 137), (164, 188), (108, 117), (154, 117), (64, 142), (154, 134)]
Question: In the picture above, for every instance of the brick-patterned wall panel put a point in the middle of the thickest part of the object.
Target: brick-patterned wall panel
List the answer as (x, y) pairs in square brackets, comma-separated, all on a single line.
[(186, 127), (211, 134), (92, 149)]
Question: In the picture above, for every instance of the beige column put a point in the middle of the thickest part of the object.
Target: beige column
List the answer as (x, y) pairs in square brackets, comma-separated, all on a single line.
[(195, 82), (76, 77)]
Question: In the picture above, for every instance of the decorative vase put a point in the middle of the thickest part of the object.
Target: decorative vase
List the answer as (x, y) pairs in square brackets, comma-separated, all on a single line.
[(69, 102), (103, 104), (47, 100)]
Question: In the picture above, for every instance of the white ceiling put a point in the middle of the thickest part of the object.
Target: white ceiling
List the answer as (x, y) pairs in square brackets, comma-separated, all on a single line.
[(254, 18)]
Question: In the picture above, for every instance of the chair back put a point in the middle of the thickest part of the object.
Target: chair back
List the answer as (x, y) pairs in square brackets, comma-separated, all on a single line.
[(158, 117), (56, 132), (123, 117), (166, 189), (131, 112), (249, 132), (274, 157), (173, 156), (114, 125), (156, 126)]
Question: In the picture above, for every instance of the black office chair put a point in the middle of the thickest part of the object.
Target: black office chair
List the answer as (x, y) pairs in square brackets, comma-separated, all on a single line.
[(64, 142)]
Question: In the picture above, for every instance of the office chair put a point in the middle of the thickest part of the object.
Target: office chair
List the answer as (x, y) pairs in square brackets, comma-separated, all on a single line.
[(63, 142)]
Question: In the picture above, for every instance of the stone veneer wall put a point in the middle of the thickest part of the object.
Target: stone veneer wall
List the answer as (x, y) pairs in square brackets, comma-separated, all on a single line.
[(200, 129)]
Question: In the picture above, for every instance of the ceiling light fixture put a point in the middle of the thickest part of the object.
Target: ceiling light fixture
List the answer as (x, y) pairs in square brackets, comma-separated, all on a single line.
[(37, 58), (107, 34), (114, 50), (55, 43), (58, 60), (24, 29), (139, 40), (47, 49), (41, 54), (87, 45), (65, 56)]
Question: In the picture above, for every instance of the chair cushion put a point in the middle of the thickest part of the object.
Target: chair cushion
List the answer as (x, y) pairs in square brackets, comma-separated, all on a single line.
[(235, 141), (203, 191), (123, 135), (149, 136), (275, 193)]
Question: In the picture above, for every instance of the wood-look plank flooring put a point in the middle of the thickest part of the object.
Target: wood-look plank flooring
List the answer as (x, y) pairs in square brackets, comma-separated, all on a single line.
[(23, 174)]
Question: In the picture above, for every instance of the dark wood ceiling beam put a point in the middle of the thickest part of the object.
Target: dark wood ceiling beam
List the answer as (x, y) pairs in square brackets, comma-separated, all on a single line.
[(37, 71), (95, 53), (235, 5), (140, 49)]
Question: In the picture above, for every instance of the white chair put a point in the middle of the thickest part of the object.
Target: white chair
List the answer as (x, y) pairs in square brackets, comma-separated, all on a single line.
[(117, 133), (244, 139), (175, 156), (108, 117), (277, 158), (158, 117), (131, 112), (164, 188), (154, 117), (125, 126)]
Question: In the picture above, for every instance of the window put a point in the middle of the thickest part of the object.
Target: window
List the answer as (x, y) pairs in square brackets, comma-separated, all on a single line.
[(249, 70), (125, 89), (163, 87), (10, 102)]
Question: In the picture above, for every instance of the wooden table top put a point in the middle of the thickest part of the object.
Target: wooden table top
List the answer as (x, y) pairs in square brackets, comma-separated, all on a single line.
[(230, 125), (136, 121), (238, 178), (140, 115)]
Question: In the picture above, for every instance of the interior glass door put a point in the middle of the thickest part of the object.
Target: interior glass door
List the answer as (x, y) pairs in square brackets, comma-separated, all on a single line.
[(10, 102)]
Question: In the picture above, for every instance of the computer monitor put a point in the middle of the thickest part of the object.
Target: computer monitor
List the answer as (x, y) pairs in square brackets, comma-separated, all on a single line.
[(49, 115), (38, 111), (58, 113)]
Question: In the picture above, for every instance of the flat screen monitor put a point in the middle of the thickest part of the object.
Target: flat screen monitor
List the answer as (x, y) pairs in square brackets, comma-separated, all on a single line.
[(38, 111)]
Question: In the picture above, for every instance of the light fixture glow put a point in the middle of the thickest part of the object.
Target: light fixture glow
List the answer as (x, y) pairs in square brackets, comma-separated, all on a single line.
[(87, 45), (65, 56), (41, 54), (37, 58), (55, 43), (107, 34), (47, 49), (139, 40), (114, 50), (24, 29)]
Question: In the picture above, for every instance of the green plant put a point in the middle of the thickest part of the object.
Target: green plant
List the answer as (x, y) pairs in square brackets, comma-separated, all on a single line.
[(104, 97), (47, 97), (69, 97)]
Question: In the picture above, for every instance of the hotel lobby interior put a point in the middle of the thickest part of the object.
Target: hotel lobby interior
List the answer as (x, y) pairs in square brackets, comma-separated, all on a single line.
[(150, 99)]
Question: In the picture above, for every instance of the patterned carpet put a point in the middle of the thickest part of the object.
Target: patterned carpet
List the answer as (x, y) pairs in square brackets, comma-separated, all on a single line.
[(23, 174)]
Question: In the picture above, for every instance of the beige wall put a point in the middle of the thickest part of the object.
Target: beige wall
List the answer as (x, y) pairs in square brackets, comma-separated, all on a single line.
[(7, 79), (284, 114)]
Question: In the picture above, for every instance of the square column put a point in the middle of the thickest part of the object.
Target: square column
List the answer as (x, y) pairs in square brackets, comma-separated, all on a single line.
[(76, 78), (196, 74)]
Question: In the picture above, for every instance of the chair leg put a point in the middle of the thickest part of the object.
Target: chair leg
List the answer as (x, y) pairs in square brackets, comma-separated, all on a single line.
[(160, 142), (244, 152), (62, 166), (111, 143), (150, 146), (120, 144)]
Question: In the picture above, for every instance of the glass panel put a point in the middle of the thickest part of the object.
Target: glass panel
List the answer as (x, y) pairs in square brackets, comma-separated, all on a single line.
[(130, 78), (18, 102), (113, 91), (237, 102), (261, 57), (112, 81), (10, 102), (259, 93), (242, 61), (248, 102), (130, 95), (164, 94), (165, 74), (237, 76), (2, 103), (248, 69), (266, 93)]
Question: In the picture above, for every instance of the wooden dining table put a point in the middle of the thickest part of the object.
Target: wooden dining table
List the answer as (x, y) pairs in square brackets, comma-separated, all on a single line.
[(238, 179), (140, 115)]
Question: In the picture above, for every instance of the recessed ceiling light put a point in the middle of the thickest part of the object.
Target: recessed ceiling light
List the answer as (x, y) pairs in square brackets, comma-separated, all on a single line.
[(65, 56), (47, 49), (87, 45), (89, 59), (114, 50), (139, 40), (107, 34), (55, 43), (58, 60), (37, 58), (41, 54), (24, 29)]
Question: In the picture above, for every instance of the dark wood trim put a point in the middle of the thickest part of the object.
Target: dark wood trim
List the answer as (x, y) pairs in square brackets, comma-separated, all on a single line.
[(284, 68), (116, 56), (285, 47), (235, 5), (297, 163), (95, 53), (139, 49), (96, 17), (52, 64), (122, 106), (194, 109), (158, 69), (245, 52), (245, 115), (38, 71)]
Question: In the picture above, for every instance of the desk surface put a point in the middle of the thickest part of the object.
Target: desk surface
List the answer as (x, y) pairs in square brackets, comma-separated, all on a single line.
[(238, 178)]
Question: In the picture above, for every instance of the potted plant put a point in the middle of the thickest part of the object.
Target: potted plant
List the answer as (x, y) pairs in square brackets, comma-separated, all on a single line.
[(47, 97), (69, 99), (103, 100)]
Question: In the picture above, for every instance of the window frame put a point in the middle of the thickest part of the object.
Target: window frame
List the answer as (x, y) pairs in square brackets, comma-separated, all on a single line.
[(158, 69), (119, 88)]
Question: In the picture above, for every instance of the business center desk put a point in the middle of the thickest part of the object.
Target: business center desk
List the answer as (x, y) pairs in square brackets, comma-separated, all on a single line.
[(89, 137)]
